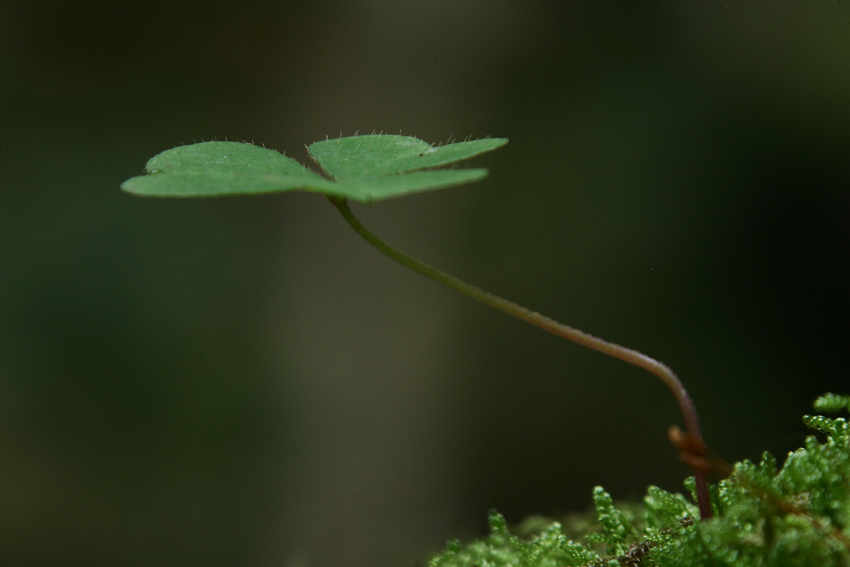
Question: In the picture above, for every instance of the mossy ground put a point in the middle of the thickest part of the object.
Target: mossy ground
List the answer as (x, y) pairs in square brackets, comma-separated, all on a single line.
[(796, 515)]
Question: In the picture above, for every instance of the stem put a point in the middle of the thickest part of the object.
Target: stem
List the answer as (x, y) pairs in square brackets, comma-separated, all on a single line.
[(628, 355)]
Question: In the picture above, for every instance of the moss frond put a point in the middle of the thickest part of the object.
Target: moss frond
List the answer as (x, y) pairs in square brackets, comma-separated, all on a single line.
[(832, 403)]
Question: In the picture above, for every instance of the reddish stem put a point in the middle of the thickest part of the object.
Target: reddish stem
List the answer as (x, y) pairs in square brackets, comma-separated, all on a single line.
[(628, 355)]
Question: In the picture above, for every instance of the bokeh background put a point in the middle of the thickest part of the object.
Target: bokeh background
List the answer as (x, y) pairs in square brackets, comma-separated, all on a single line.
[(244, 382)]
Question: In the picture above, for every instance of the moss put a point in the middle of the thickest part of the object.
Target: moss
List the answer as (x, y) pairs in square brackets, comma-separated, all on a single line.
[(796, 515)]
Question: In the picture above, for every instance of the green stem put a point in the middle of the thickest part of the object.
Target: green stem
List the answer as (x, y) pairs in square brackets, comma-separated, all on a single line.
[(548, 324)]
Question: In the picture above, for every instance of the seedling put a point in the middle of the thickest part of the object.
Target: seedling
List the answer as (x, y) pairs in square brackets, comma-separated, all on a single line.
[(796, 515), (373, 168)]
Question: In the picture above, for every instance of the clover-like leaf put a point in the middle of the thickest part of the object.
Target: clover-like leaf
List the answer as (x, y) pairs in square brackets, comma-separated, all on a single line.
[(363, 157), (363, 168), (210, 169)]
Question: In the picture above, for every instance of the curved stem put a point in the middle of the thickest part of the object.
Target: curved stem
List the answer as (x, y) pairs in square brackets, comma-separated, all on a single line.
[(628, 355)]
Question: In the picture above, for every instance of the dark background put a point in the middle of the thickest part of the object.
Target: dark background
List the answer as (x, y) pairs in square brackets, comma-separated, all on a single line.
[(244, 382)]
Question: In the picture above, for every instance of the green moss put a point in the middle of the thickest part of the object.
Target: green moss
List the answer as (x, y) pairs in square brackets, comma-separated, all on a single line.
[(798, 515)]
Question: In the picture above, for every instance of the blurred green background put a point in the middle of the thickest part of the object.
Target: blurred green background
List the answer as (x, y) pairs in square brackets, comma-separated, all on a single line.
[(244, 382)]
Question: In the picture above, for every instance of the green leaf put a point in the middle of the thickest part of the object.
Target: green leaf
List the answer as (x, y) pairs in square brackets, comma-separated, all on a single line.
[(363, 168), (212, 169), (378, 188), (364, 157)]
